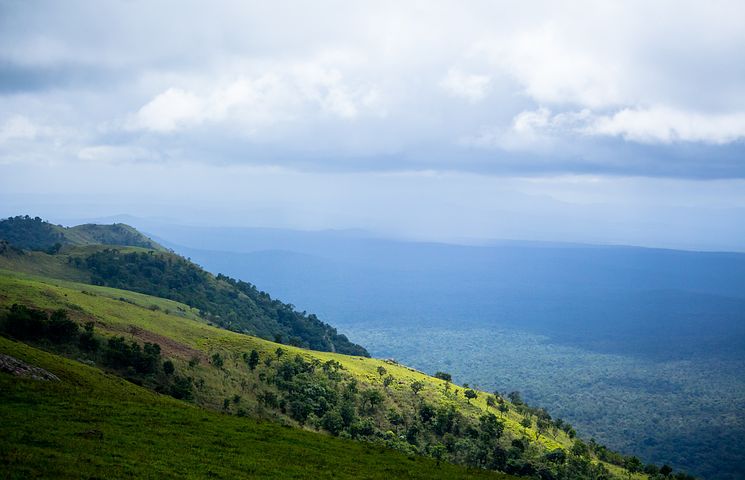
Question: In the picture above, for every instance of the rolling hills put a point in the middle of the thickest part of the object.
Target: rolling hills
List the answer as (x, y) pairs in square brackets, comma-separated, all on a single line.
[(235, 305), (180, 350)]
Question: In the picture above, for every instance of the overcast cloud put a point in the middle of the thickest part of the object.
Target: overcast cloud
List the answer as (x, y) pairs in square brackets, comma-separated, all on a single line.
[(508, 93)]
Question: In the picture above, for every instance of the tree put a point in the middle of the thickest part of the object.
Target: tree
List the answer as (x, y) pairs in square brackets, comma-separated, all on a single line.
[(370, 400), (61, 329), (382, 371), (279, 352), (490, 402), (87, 341), (417, 386), (542, 426), (217, 360), (666, 470), (491, 428), (526, 423), (168, 367), (503, 408), (332, 422), (633, 464), (388, 380), (426, 412), (515, 398), (470, 394), (444, 376), (253, 360), (438, 452)]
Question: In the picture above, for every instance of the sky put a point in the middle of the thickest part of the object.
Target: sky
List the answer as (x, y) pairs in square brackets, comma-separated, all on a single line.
[(598, 122)]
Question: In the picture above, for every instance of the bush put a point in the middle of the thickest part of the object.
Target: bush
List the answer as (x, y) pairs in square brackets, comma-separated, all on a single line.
[(332, 422), (87, 341), (25, 323), (61, 329), (181, 388)]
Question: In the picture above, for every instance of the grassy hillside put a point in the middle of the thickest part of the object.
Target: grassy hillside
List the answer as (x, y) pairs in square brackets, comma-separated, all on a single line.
[(93, 425), (385, 407), (35, 234), (231, 304)]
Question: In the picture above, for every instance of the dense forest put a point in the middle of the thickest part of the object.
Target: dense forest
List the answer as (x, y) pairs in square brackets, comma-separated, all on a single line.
[(229, 303)]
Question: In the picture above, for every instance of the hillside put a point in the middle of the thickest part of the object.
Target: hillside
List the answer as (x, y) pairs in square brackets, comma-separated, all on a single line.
[(35, 234), (93, 425), (374, 400), (231, 304)]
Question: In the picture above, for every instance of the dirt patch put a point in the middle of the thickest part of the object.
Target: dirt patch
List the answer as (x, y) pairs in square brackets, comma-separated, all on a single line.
[(19, 368), (168, 346)]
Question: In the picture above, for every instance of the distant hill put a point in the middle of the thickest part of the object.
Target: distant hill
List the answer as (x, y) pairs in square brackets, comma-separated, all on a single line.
[(35, 234), (231, 304)]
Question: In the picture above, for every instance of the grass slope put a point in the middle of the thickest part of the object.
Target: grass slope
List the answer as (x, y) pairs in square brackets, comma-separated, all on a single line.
[(94, 425), (183, 335), (232, 304)]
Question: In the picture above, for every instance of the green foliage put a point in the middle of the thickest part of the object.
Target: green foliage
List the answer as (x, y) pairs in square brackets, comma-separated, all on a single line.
[(91, 426), (36, 234), (416, 387), (302, 387), (26, 323), (252, 360), (470, 394), (232, 304), (444, 376)]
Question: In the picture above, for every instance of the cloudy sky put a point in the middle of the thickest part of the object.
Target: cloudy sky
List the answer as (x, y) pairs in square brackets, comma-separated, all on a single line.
[(608, 122)]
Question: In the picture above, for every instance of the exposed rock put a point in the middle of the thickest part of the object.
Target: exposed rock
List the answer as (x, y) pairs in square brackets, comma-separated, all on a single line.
[(22, 369)]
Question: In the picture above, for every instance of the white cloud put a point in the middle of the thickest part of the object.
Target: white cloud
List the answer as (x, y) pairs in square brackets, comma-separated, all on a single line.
[(538, 129), (292, 92), (116, 154), (668, 125), (17, 127), (169, 111), (469, 86)]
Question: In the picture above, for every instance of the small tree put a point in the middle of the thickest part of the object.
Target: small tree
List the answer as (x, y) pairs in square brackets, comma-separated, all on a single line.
[(382, 371), (526, 423), (332, 422), (470, 394), (515, 398), (666, 470), (417, 386), (168, 367), (217, 360), (490, 402), (253, 360), (444, 376), (279, 352), (438, 452), (87, 341), (503, 408), (387, 381)]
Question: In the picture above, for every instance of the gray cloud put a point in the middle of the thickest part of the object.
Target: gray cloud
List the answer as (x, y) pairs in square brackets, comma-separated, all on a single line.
[(337, 88), (483, 94)]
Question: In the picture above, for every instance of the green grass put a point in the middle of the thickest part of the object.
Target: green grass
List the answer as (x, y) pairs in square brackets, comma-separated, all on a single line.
[(49, 430), (183, 335)]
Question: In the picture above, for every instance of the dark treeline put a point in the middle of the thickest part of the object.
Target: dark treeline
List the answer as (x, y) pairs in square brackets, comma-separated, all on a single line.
[(229, 303), (142, 365)]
